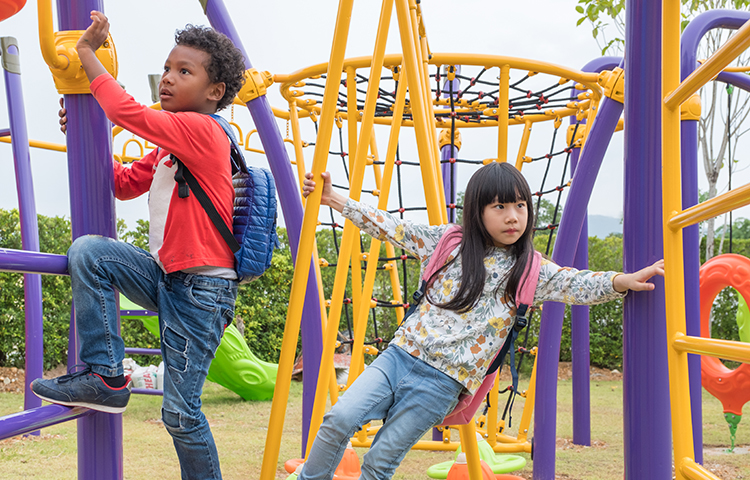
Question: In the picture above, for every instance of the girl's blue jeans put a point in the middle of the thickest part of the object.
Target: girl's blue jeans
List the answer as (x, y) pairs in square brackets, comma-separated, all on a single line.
[(411, 395), (193, 312)]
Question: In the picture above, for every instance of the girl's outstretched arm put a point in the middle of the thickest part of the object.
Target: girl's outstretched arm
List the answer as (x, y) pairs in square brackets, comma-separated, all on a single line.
[(637, 281), (328, 197)]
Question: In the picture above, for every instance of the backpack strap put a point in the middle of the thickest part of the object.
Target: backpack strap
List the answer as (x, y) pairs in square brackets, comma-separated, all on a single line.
[(185, 179), (447, 243)]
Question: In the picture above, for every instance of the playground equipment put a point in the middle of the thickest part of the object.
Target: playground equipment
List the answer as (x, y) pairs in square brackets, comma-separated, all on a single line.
[(235, 367), (647, 443), (497, 463), (730, 386)]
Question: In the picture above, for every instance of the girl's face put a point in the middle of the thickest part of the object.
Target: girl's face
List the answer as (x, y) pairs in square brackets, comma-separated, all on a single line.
[(505, 222)]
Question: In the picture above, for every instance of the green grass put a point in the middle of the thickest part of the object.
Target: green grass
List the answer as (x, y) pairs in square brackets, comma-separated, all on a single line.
[(240, 430)]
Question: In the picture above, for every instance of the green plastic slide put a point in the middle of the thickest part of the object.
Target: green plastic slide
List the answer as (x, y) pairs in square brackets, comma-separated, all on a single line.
[(235, 366), (743, 320)]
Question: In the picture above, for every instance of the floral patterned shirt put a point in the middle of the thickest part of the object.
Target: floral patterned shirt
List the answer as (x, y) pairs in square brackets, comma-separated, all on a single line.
[(463, 345)]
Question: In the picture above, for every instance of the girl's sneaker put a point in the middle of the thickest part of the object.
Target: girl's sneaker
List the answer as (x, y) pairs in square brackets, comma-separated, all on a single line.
[(83, 389)]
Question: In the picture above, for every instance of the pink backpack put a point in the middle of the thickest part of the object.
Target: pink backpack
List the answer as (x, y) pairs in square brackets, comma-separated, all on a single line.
[(469, 404)]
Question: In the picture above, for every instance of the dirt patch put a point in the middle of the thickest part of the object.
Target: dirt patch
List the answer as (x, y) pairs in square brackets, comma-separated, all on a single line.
[(28, 438), (12, 378), (567, 444)]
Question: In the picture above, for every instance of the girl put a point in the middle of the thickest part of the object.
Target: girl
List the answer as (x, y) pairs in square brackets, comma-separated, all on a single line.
[(446, 346)]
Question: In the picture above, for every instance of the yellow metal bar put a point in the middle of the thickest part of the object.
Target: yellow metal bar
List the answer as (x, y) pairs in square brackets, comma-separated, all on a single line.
[(47, 37), (299, 155), (693, 471), (362, 308), (351, 130), (491, 417), (389, 250), (304, 252), (732, 200), (735, 46), (714, 347), (528, 406), (524, 144), (469, 446), (502, 115), (40, 144), (421, 124), (682, 432)]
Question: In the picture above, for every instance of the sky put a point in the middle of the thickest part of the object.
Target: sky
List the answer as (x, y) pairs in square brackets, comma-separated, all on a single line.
[(283, 37)]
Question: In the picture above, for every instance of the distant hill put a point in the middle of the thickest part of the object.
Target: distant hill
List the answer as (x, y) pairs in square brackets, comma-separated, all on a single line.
[(601, 225)]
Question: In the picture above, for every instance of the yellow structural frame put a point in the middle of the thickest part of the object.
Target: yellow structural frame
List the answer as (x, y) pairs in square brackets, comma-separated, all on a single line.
[(674, 94)]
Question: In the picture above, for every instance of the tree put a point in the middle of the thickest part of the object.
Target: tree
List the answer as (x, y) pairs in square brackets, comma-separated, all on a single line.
[(720, 122)]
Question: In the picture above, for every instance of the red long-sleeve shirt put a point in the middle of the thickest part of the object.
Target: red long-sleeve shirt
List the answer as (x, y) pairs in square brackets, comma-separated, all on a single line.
[(190, 238)]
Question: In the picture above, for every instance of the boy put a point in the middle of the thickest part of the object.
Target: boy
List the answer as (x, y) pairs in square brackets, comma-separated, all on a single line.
[(189, 276)]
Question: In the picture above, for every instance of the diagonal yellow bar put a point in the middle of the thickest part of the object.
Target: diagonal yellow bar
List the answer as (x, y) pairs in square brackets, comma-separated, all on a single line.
[(350, 238), (693, 471), (739, 197), (714, 347), (304, 252), (734, 47)]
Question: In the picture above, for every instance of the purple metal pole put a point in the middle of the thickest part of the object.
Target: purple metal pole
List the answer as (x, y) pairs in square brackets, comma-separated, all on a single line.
[(27, 209), (40, 417), (579, 314), (449, 179), (552, 316), (580, 345), (647, 427), (450, 90), (691, 36), (291, 206), (92, 204), (22, 261)]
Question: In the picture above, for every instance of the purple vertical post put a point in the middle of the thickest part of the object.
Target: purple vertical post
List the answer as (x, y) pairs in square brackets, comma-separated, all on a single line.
[(449, 179), (92, 204), (580, 345), (291, 205), (32, 283), (579, 314), (647, 427), (552, 316), (450, 91), (691, 36)]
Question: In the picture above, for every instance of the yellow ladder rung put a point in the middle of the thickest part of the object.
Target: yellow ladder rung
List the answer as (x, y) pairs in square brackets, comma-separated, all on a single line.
[(732, 200), (714, 347), (695, 471)]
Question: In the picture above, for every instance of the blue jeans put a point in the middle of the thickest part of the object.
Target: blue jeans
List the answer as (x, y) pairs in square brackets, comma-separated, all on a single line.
[(412, 396), (193, 312)]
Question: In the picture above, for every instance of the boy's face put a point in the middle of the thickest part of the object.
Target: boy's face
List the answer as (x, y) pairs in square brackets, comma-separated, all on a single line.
[(185, 86)]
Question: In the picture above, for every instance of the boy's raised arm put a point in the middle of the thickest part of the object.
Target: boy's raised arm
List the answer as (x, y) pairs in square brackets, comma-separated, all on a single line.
[(90, 41)]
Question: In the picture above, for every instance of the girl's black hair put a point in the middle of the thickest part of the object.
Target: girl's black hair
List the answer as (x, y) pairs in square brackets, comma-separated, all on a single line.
[(226, 63), (495, 182)]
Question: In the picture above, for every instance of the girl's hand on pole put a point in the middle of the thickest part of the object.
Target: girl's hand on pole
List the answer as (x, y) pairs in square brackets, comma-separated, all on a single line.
[(328, 196), (637, 281)]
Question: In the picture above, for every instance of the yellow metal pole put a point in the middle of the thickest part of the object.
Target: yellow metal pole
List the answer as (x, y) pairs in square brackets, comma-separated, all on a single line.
[(299, 155), (469, 446), (47, 37), (682, 431), (491, 418), (357, 363), (40, 144), (714, 347), (528, 406), (421, 124), (503, 101), (739, 197), (524, 144), (389, 250), (735, 46), (351, 124), (351, 233), (304, 252)]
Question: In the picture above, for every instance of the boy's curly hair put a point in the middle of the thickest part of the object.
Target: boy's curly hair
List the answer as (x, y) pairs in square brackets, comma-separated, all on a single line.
[(226, 63)]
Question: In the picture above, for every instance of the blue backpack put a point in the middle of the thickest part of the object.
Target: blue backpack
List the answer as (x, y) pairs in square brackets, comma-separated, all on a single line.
[(254, 237)]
